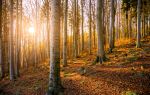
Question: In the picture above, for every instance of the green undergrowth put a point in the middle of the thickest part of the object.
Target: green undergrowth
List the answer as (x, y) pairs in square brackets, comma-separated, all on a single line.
[(129, 93)]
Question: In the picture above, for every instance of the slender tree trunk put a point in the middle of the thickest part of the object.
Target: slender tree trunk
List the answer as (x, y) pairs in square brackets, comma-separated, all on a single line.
[(90, 36), (119, 34), (55, 87), (21, 37), (47, 17), (18, 43), (143, 25), (111, 26), (35, 38), (75, 29), (127, 32), (99, 28), (93, 25), (65, 35), (138, 24), (12, 70), (82, 26), (130, 27), (6, 41), (1, 60)]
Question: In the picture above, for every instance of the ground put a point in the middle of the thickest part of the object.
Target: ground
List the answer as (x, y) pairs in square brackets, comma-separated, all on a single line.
[(126, 72)]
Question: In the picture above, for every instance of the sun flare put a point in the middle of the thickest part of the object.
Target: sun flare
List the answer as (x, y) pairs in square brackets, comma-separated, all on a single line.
[(31, 30)]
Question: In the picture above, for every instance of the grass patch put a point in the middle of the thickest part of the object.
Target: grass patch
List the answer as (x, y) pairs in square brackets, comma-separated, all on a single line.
[(66, 74), (129, 93), (132, 59)]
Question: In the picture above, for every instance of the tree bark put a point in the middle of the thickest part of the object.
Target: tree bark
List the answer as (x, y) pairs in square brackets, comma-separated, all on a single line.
[(11, 34), (138, 24), (90, 36), (75, 32), (18, 43), (99, 28), (1, 60), (111, 26), (65, 35), (55, 87), (82, 26)]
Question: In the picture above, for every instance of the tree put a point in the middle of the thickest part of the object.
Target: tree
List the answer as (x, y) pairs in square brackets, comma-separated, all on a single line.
[(47, 17), (100, 35), (55, 87), (90, 36), (138, 24), (65, 35), (75, 30), (1, 61), (94, 24), (18, 42), (11, 63), (82, 25), (111, 26)]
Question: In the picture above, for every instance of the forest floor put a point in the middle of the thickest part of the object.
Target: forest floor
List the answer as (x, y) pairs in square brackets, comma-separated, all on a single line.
[(126, 72)]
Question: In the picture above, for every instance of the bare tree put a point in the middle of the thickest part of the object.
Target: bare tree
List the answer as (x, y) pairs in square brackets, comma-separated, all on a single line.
[(82, 25), (111, 26), (1, 61), (100, 35), (55, 87), (11, 34), (90, 28), (65, 35), (138, 24)]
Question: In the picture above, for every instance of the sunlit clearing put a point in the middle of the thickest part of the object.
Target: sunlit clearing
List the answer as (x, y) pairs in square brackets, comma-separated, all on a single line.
[(31, 30)]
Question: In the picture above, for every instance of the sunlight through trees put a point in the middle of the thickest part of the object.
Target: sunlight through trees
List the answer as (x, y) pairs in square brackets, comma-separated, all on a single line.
[(59, 32)]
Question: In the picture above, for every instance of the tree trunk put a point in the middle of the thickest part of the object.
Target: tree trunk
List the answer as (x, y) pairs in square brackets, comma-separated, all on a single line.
[(18, 43), (65, 35), (75, 30), (1, 60), (47, 17), (111, 26), (130, 27), (99, 28), (127, 32), (5, 42), (55, 87), (20, 59), (94, 25), (90, 36), (82, 26), (11, 34), (138, 24)]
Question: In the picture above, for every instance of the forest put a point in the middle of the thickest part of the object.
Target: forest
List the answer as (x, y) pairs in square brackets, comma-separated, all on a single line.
[(74, 47)]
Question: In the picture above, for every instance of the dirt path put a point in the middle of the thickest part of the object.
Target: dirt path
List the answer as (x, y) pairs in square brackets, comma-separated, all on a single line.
[(125, 73)]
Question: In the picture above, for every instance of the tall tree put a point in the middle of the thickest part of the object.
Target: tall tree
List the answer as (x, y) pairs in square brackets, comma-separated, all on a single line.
[(94, 24), (82, 25), (55, 87), (18, 42), (1, 61), (75, 30), (90, 28), (99, 28), (65, 35), (138, 24), (20, 54), (47, 17), (111, 26), (11, 40)]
